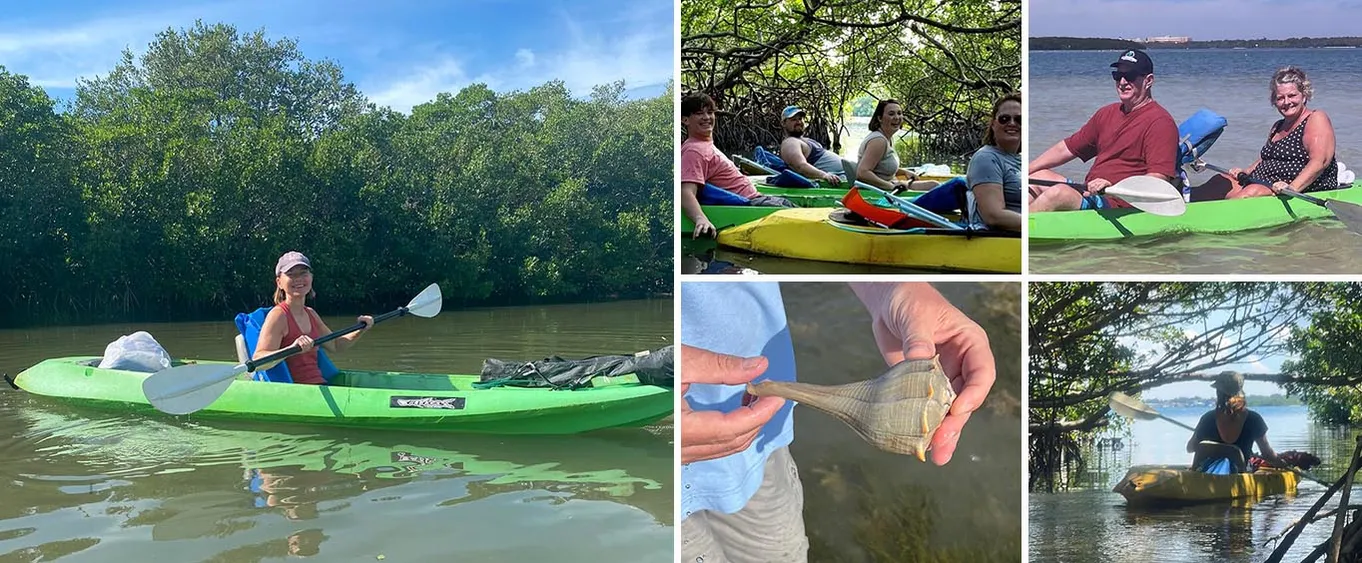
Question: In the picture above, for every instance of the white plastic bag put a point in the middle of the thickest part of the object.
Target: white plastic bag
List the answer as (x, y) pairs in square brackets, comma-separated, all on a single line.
[(135, 352)]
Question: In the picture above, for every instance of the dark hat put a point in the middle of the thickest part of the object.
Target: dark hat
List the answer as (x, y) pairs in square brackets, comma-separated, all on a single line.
[(1229, 383), (1134, 61)]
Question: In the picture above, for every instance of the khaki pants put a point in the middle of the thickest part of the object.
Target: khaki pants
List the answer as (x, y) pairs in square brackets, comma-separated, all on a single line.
[(769, 529)]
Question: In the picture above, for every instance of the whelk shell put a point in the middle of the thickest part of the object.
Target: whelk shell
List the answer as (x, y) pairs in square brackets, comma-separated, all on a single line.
[(896, 412)]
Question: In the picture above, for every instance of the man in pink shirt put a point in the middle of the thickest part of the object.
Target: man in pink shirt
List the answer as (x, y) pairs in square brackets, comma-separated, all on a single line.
[(702, 163), (1135, 136)]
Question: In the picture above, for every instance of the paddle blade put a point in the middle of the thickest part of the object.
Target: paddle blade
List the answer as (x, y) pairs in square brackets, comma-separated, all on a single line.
[(189, 388), (427, 304), (1130, 407), (1149, 194), (1347, 212)]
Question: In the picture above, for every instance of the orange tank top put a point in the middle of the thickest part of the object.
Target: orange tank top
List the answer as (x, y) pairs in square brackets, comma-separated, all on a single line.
[(302, 367)]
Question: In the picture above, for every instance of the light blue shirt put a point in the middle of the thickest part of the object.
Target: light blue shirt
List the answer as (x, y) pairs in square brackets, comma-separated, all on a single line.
[(744, 320)]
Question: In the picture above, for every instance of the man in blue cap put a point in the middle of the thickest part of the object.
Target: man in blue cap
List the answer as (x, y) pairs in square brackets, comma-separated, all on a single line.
[(804, 155)]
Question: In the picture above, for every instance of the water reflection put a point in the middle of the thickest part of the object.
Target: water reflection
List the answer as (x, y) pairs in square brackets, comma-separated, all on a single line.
[(242, 492)]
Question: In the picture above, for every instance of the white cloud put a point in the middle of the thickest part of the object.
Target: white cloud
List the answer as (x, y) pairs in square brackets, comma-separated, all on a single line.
[(525, 57), (423, 83)]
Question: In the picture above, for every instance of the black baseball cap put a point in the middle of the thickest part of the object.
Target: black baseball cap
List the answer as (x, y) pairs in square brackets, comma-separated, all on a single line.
[(1134, 61)]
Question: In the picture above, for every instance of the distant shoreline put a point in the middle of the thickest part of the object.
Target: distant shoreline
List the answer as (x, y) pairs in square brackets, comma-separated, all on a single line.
[(1108, 44)]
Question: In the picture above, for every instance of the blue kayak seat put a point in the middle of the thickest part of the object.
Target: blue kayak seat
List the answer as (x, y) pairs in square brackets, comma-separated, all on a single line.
[(1195, 137), (790, 179), (714, 195), (249, 325), (768, 159)]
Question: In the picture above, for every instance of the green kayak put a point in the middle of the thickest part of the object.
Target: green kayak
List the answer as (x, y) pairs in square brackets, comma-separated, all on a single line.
[(723, 216), (414, 401), (1219, 216)]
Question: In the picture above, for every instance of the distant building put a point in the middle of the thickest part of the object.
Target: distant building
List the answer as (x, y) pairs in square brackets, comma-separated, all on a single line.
[(1167, 39)]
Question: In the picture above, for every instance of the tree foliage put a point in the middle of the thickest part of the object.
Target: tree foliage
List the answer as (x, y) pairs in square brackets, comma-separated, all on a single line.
[(1088, 340), (177, 179), (945, 61), (1326, 372)]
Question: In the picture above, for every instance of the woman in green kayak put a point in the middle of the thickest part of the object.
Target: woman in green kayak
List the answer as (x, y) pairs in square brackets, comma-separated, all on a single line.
[(291, 322), (1228, 433), (1299, 152)]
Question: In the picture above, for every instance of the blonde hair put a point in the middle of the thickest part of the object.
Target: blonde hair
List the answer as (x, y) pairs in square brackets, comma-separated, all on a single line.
[(1290, 75), (1229, 404)]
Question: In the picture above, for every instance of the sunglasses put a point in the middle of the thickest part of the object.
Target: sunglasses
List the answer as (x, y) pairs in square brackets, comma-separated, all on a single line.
[(1006, 119), (1131, 77)]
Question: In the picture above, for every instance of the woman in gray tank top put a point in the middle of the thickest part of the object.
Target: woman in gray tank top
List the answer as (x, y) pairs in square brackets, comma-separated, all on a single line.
[(877, 163)]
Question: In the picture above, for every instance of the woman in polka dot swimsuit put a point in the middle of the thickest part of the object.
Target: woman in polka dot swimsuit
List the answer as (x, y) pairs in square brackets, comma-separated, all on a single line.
[(1299, 153)]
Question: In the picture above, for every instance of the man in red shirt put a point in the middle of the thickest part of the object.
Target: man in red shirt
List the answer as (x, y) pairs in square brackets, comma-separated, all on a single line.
[(1135, 136), (702, 163)]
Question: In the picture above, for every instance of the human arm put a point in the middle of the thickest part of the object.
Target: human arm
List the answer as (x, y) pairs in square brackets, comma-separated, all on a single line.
[(1054, 156), (913, 321), (271, 335), (713, 434), (345, 342), (690, 205), (792, 152), (986, 175), (993, 208), (1319, 143)]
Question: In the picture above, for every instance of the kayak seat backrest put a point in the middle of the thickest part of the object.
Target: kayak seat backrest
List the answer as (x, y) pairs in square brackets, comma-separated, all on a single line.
[(768, 159), (790, 179), (714, 195), (1196, 135), (249, 326)]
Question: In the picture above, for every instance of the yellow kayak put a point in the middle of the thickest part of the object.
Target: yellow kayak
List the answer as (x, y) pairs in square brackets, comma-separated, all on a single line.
[(806, 233), (1173, 484)]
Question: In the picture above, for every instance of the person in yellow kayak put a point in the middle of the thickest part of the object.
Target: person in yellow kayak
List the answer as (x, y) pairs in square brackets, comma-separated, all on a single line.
[(993, 195), (1299, 152), (877, 163), (1224, 437), (702, 164), (291, 322), (804, 155)]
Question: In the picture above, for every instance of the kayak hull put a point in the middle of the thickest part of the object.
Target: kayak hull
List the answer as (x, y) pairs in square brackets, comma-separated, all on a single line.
[(1172, 485), (808, 235), (1220, 216), (722, 216), (375, 399)]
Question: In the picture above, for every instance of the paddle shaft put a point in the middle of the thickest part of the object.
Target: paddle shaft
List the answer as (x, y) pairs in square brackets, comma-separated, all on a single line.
[(1244, 179), (251, 365), (1080, 186)]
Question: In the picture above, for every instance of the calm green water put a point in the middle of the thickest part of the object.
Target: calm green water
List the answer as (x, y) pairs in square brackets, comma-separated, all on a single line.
[(1095, 525), (88, 485), (866, 505)]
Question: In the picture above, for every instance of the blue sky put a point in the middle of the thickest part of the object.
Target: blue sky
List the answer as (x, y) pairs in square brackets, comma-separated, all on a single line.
[(1254, 364), (398, 53), (1198, 19)]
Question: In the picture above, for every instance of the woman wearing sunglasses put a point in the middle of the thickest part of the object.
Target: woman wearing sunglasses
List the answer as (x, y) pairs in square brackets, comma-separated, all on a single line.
[(993, 198)]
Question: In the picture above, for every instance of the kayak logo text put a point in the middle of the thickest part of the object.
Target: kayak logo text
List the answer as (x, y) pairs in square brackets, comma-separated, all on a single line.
[(451, 403)]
